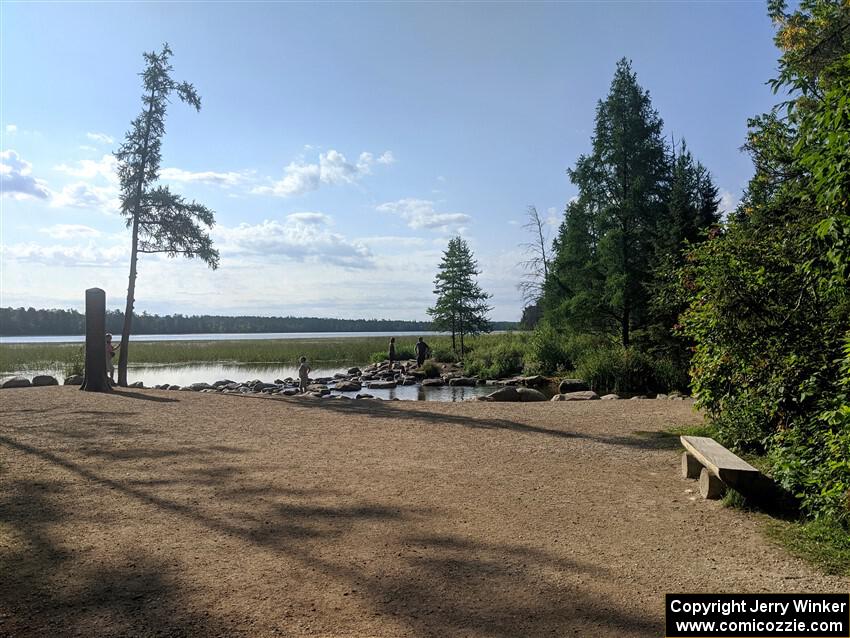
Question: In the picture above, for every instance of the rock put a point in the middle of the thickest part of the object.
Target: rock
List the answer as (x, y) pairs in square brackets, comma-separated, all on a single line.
[(262, 387), (136, 384), (568, 386), (223, 382), (530, 394), (381, 385), (639, 396), (508, 393), (197, 387), (408, 381), (364, 396), (16, 382), (354, 371), (347, 386), (585, 395), (233, 386), (661, 396), (44, 379), (316, 387), (464, 382), (535, 381), (290, 392), (74, 379), (433, 383), (610, 397), (174, 387)]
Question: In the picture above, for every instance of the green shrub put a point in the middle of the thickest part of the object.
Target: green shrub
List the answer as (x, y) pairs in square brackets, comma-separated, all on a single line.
[(618, 369), (431, 370), (497, 358), (75, 364), (548, 349), (383, 355), (444, 355)]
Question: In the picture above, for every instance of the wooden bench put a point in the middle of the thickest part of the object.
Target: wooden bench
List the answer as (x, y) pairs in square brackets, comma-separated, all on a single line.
[(715, 467)]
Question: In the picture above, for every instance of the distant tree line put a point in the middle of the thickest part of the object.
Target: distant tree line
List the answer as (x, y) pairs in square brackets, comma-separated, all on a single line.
[(32, 322)]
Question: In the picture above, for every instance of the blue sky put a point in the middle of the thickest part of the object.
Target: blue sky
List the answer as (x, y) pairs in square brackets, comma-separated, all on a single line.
[(341, 145)]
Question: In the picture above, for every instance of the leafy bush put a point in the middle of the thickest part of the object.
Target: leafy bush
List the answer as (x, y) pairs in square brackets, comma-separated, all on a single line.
[(75, 364), (498, 358), (444, 355), (431, 370)]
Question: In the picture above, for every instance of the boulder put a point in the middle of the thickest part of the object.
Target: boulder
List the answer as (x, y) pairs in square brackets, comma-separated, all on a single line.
[(508, 393), (347, 386), (290, 392), (535, 381), (15, 382), (221, 383), (465, 382), (530, 394), (354, 371), (568, 386), (381, 385), (74, 379), (661, 396), (136, 384), (610, 397), (639, 396), (262, 387), (433, 383), (585, 395), (364, 396), (197, 387), (44, 379), (174, 387), (318, 388)]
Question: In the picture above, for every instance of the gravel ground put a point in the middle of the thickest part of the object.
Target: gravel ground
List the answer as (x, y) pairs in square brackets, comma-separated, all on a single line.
[(146, 513)]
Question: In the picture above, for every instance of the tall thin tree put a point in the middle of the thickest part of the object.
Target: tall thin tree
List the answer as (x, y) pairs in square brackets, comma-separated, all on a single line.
[(536, 267), (161, 221)]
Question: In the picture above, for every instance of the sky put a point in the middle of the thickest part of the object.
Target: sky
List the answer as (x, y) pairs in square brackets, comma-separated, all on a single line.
[(341, 145)]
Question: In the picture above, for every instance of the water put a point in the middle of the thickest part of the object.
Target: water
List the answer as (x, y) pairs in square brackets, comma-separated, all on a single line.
[(228, 336), (181, 375)]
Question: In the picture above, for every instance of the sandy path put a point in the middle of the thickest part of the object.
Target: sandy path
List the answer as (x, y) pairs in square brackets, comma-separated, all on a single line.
[(172, 513)]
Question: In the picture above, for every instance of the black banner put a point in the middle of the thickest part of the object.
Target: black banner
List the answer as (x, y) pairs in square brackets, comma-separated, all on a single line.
[(758, 615)]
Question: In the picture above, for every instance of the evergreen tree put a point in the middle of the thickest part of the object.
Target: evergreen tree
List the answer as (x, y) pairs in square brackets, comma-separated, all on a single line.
[(161, 221), (461, 305), (610, 230)]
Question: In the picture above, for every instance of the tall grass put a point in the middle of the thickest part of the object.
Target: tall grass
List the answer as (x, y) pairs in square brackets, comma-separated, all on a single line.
[(353, 350)]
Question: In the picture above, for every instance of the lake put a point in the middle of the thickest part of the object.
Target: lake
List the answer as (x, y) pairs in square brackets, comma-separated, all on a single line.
[(181, 375), (224, 336)]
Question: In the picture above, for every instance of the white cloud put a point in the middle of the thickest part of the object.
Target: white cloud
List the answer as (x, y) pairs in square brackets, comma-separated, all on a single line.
[(332, 168), (105, 168), (16, 180), (68, 256), (226, 179), (84, 195), (728, 203), (69, 231), (11, 128), (421, 213), (101, 138), (300, 237)]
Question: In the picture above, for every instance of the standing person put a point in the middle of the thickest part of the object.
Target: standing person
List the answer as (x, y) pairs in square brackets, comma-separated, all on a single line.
[(392, 352), (303, 374), (422, 351), (111, 349)]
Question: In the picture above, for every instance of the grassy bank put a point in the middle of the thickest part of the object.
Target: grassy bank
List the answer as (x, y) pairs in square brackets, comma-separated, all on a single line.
[(354, 350)]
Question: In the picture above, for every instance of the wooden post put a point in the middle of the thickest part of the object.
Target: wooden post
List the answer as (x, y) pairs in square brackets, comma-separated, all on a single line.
[(95, 379), (710, 486), (690, 466)]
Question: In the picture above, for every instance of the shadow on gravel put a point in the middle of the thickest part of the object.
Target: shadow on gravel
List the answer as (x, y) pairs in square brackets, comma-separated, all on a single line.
[(127, 394), (432, 584)]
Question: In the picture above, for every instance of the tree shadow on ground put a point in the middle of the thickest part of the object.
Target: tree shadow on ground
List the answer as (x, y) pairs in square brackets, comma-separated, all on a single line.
[(389, 410), (127, 394), (431, 584)]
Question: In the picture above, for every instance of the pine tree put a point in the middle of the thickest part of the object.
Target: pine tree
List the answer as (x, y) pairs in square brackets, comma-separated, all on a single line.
[(461, 305), (603, 260), (161, 221)]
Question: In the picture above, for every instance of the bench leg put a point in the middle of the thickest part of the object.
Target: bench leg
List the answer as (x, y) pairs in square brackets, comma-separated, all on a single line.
[(690, 466), (710, 486)]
